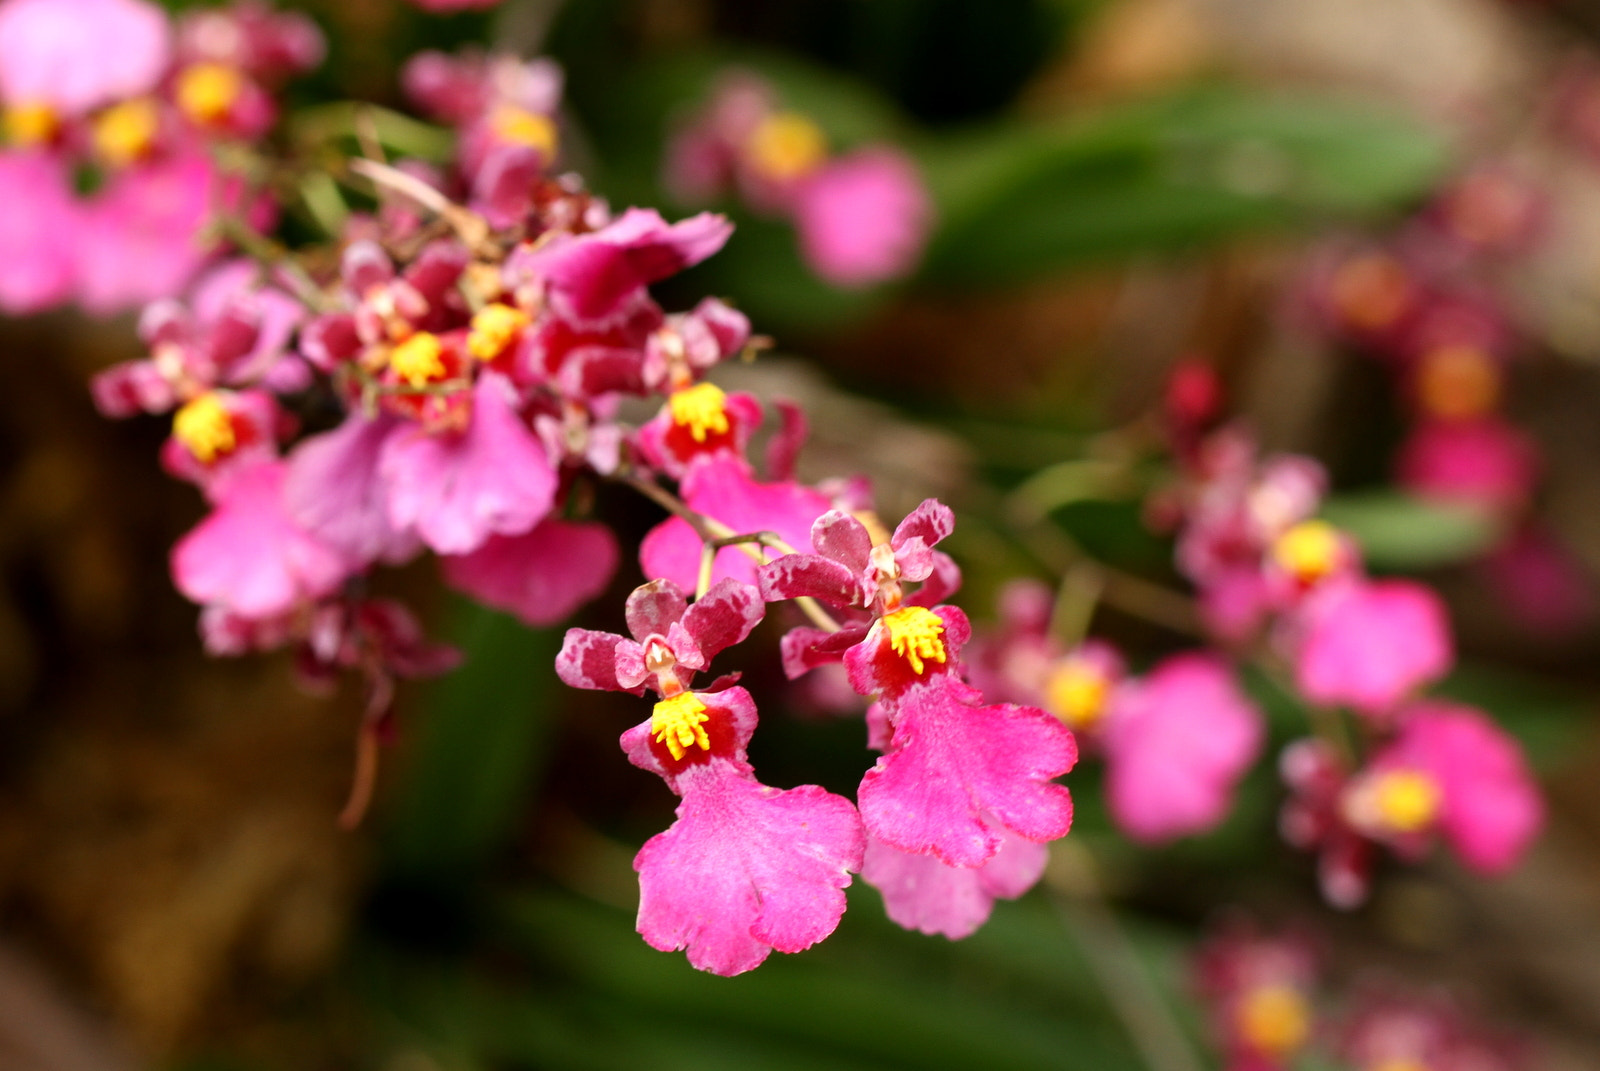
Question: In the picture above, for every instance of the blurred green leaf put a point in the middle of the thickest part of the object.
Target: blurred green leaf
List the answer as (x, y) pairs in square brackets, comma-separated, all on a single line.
[(1399, 532), (1546, 716), (1165, 174), (480, 745)]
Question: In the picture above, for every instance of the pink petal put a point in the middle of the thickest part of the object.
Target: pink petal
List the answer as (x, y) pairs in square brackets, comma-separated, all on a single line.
[(864, 218), (795, 576), (249, 558), (457, 489), (957, 773), (1370, 644), (542, 575), (334, 490), (75, 55), (588, 659), (654, 607), (1176, 744), (746, 869), (38, 231), (839, 536), (723, 616), (922, 893)]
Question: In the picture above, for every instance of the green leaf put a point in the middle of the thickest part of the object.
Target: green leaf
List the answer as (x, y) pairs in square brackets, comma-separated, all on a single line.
[(1399, 532), (1165, 174), (480, 744)]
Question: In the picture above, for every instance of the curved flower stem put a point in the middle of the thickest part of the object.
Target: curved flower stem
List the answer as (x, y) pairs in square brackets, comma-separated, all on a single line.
[(1148, 1021), (716, 535), (468, 225)]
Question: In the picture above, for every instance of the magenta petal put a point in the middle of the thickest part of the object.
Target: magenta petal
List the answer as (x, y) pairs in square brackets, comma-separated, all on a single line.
[(653, 607), (542, 575), (1370, 644), (597, 277), (746, 869), (457, 489), (38, 233), (588, 659), (249, 558), (956, 772), (334, 490), (839, 536), (943, 580), (864, 217), (783, 449), (1176, 745), (806, 648), (795, 576), (75, 55), (922, 893), (723, 616), (915, 536)]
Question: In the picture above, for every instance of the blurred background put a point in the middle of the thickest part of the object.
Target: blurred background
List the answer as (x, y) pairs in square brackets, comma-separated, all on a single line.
[(1118, 185)]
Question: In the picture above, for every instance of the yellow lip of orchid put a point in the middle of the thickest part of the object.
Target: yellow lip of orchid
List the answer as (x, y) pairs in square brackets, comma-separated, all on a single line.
[(1406, 801), (126, 132), (1274, 1019), (30, 123), (702, 409), (915, 634), (1076, 692), (679, 722), (1309, 551), (207, 92), (419, 360), (522, 127), (205, 428), (786, 146)]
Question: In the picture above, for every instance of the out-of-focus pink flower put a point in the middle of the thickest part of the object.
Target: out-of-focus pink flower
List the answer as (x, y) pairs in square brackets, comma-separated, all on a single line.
[(599, 278), (72, 56), (1484, 462), (219, 433), (143, 236), (456, 489), (1369, 644), (252, 37), (1397, 1030), (922, 892), (249, 558), (336, 491), (39, 231), (864, 218), (1258, 989), (1451, 768), (1176, 743), (542, 575), (1541, 584), (698, 421)]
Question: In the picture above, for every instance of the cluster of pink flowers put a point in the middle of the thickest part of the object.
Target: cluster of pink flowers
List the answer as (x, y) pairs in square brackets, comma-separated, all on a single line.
[(1270, 573), (461, 378), (862, 217), (1264, 997), (116, 87), (1429, 306)]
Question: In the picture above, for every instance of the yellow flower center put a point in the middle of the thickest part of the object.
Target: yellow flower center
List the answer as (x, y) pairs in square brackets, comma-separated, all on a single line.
[(701, 409), (1274, 1019), (205, 427), (206, 92), (30, 124), (1406, 801), (679, 723), (1456, 382), (493, 328), (418, 360), (914, 633), (786, 145), (1400, 1063), (125, 132), (1309, 551), (1076, 693), (523, 127)]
